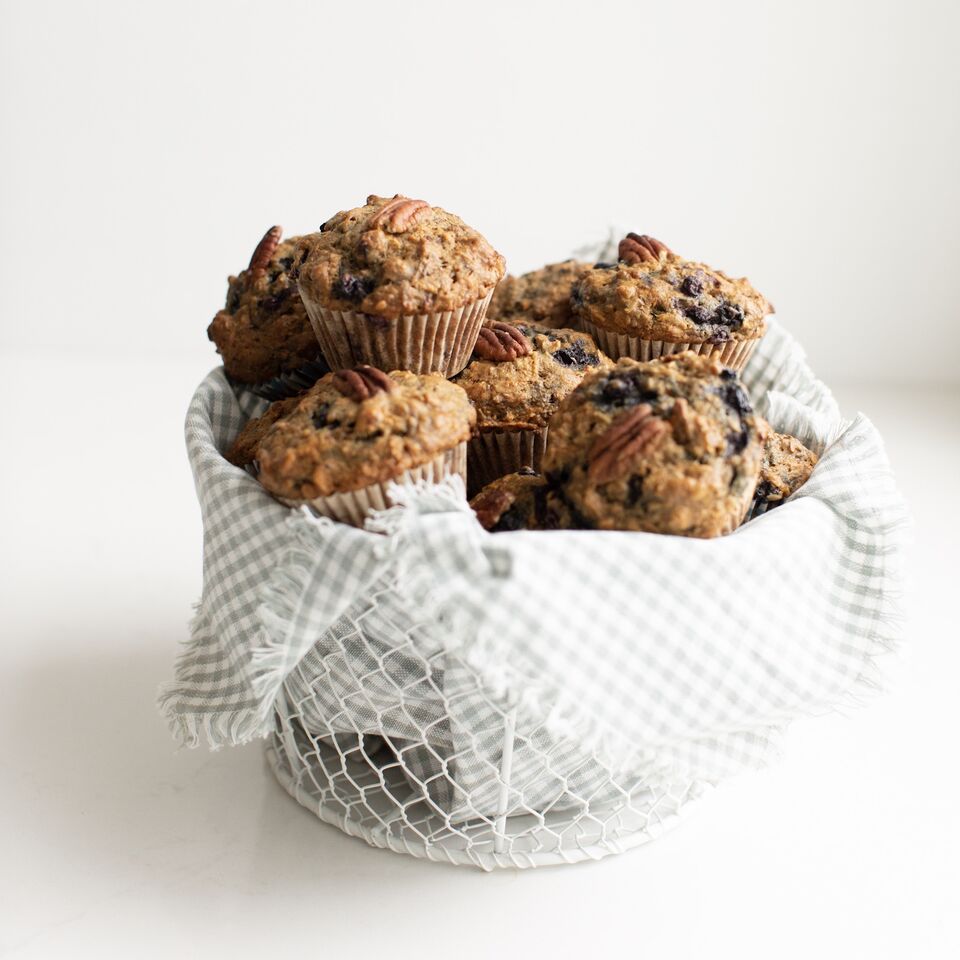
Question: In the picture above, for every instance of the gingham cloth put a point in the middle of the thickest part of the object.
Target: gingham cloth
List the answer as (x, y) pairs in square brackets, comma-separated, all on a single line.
[(662, 657)]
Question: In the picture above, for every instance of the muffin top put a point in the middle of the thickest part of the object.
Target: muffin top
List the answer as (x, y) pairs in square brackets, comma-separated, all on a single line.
[(357, 427), (520, 372), (541, 296), (244, 448), (396, 256), (263, 329), (667, 446), (786, 466), (654, 294)]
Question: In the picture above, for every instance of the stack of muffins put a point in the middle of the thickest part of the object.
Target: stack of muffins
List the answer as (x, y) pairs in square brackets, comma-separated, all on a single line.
[(579, 396)]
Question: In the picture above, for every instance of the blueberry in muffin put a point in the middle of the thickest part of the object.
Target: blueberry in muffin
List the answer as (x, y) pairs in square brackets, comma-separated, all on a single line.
[(669, 446), (541, 296)]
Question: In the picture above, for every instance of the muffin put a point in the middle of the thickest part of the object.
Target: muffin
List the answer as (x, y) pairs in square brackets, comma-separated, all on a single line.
[(510, 502), (541, 296), (786, 466), (520, 501), (516, 378), (668, 446), (356, 431), (263, 332), (399, 285), (653, 303)]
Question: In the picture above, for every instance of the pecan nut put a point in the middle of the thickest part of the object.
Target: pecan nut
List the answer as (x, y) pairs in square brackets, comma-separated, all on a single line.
[(639, 248), (265, 250), (398, 214), (631, 433), (362, 382), (490, 506), (501, 341)]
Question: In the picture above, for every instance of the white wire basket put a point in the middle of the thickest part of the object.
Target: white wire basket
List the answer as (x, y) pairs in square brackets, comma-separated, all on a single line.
[(527, 698)]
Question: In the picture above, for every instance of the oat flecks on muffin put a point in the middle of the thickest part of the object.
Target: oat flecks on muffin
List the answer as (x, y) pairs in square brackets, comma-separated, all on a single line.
[(263, 330), (397, 257), (654, 294), (668, 446), (332, 442), (541, 296), (786, 466), (520, 389)]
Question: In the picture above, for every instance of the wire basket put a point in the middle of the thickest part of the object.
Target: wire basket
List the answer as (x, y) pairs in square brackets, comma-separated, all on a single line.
[(529, 698)]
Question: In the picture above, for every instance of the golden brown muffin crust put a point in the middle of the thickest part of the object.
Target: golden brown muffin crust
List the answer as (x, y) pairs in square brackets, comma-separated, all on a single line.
[(331, 442), (665, 297), (263, 329), (668, 446), (787, 465), (541, 296), (523, 393), (396, 256)]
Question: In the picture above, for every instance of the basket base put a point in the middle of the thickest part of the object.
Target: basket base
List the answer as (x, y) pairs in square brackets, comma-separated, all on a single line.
[(364, 805)]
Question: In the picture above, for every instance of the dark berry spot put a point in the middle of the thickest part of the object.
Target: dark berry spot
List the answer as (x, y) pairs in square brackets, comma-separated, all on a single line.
[(736, 441), (634, 490), (323, 226), (351, 287), (320, 420), (730, 315), (720, 335), (277, 300), (576, 297), (604, 266), (575, 356), (727, 374), (286, 263), (764, 490), (697, 314), (626, 390), (735, 397), (512, 519), (692, 286)]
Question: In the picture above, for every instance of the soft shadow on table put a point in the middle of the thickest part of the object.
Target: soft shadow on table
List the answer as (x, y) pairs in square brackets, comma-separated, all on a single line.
[(108, 788)]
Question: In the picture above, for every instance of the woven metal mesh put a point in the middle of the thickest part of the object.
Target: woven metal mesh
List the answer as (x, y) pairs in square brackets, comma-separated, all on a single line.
[(383, 732)]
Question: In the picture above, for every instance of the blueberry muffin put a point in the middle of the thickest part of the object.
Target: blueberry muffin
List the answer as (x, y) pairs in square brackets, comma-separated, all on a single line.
[(263, 332), (786, 466), (357, 430), (517, 376), (669, 446), (653, 302), (541, 296), (520, 501), (399, 284)]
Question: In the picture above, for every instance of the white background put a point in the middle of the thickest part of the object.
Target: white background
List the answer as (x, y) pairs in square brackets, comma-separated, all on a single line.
[(145, 148)]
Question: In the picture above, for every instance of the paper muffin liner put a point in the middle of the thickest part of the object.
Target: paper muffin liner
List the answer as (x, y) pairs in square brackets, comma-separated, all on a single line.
[(290, 382), (353, 506), (421, 343), (733, 353), (495, 453)]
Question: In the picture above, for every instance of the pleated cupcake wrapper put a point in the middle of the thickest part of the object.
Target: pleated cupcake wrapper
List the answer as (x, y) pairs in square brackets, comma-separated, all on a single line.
[(420, 343), (353, 506), (495, 453), (733, 353), (759, 507), (290, 382)]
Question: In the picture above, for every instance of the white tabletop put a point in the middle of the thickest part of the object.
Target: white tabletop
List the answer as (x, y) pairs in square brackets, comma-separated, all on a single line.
[(116, 844)]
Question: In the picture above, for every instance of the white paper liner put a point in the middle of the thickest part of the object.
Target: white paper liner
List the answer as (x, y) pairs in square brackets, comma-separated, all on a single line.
[(733, 353), (495, 453), (421, 343), (353, 506)]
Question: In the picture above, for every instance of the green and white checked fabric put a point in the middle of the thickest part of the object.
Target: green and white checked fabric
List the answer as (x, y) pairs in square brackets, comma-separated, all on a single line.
[(621, 658)]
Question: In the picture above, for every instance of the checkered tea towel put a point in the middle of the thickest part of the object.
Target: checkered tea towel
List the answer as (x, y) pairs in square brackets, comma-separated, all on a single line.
[(652, 655)]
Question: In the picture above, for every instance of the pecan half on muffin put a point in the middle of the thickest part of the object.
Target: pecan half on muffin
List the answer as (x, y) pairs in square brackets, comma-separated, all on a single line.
[(518, 375), (669, 446), (400, 285), (520, 501), (541, 296), (653, 303), (263, 332), (786, 467), (356, 431)]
